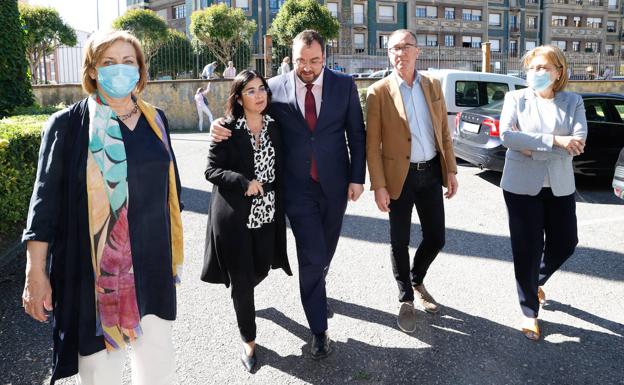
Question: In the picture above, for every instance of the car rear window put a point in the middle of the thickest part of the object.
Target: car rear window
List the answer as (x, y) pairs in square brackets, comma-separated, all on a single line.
[(596, 110), (477, 93)]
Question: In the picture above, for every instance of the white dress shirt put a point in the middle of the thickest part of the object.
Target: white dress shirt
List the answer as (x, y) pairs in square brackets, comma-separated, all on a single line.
[(317, 91)]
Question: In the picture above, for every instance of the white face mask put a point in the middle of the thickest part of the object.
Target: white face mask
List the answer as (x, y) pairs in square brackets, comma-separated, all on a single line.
[(539, 81)]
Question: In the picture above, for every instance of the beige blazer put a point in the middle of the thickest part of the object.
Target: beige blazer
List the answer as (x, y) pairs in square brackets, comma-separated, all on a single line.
[(388, 137)]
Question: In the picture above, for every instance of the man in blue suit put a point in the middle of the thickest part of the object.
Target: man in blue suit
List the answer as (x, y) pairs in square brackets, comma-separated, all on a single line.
[(323, 168)]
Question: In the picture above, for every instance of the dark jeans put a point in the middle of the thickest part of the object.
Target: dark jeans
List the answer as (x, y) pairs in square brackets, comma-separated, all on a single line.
[(422, 189), (543, 236), (245, 279)]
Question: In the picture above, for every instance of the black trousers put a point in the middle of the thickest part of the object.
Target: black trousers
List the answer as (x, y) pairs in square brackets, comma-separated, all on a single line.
[(543, 236), (248, 276), (422, 189)]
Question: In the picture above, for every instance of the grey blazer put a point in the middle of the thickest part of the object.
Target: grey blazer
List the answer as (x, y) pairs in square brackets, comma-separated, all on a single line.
[(520, 129)]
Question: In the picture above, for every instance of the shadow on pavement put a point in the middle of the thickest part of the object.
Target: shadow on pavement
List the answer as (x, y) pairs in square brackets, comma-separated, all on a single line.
[(25, 344), (586, 260), (457, 348), (195, 200)]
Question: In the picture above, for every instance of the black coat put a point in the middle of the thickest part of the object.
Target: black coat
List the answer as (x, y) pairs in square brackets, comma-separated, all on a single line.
[(230, 169)]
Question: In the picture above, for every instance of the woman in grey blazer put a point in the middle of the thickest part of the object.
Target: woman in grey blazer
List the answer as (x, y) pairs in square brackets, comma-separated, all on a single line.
[(543, 128)]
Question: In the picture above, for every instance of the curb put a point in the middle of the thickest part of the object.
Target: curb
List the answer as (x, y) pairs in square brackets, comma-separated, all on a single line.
[(11, 253)]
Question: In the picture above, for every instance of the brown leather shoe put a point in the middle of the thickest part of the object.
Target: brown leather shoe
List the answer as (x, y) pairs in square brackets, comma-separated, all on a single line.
[(426, 300), (541, 296), (407, 317)]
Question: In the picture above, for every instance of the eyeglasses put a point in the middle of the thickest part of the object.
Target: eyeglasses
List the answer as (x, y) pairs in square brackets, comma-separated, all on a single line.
[(255, 91), (404, 48), (311, 63), (539, 68)]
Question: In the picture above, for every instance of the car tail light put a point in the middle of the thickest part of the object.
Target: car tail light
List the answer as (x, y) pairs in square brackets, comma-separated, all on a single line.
[(457, 120), (493, 125)]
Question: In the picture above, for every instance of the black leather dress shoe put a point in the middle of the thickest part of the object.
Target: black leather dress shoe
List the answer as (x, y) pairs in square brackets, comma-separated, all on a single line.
[(321, 346), (248, 362)]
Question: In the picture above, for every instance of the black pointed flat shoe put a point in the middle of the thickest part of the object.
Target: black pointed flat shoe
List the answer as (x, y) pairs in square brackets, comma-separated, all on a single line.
[(249, 362)]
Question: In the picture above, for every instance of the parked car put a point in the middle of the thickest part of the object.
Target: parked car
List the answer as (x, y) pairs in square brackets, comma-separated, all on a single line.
[(476, 138), (358, 75), (380, 74), (469, 89), (618, 176)]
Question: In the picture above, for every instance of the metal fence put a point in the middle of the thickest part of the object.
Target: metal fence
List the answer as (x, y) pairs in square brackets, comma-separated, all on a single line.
[(181, 61)]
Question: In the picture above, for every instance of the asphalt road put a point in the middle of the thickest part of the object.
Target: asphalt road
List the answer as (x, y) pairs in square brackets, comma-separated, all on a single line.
[(473, 340)]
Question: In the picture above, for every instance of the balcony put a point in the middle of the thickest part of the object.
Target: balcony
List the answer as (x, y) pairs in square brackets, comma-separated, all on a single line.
[(456, 25)]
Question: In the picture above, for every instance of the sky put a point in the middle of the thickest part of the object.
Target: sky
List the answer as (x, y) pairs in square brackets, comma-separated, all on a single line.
[(82, 15)]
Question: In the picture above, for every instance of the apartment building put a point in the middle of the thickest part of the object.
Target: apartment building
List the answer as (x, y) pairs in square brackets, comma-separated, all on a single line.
[(172, 11)]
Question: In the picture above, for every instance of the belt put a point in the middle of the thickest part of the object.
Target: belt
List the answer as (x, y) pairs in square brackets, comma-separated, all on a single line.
[(420, 166)]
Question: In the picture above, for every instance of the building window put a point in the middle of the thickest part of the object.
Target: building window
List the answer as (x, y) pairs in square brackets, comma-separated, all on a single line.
[(162, 13), (421, 11), (613, 4), (385, 14), (432, 12), (529, 45), (449, 13), (495, 45), (594, 22), (494, 19), (592, 46), (179, 11), (532, 22), (471, 41), (561, 44), (609, 50), (449, 41), (610, 25), (576, 46), (432, 41), (513, 47), (243, 4), (358, 13), (471, 14), (333, 9), (577, 21), (559, 21), (383, 41), (359, 42), (513, 23)]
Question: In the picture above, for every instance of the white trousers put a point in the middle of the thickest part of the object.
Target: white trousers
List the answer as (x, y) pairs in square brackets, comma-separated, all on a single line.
[(201, 110), (152, 359)]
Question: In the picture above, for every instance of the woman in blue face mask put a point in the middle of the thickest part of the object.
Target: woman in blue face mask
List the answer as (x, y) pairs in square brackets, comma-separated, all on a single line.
[(543, 128), (105, 208)]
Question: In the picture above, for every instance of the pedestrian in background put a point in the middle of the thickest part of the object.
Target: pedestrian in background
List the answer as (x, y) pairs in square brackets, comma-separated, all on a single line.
[(246, 234), (110, 222), (543, 128), (410, 157), (230, 71), (285, 67), (201, 103), (208, 71)]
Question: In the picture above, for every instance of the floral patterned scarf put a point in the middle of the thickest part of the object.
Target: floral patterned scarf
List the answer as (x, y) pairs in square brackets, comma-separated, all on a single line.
[(117, 313)]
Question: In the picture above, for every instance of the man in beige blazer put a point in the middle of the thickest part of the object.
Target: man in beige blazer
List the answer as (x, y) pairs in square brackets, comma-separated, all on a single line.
[(410, 157)]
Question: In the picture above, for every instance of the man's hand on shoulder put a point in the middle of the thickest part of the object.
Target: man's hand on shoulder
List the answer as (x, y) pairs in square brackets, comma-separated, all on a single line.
[(218, 132), (355, 190)]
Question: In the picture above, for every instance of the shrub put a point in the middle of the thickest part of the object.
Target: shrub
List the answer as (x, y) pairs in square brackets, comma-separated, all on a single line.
[(20, 137)]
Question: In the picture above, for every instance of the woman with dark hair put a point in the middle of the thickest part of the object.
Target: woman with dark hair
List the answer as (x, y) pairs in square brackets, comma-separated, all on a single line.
[(246, 233)]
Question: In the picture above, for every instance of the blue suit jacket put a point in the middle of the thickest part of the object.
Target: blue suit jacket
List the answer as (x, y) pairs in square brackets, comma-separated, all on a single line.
[(340, 159)]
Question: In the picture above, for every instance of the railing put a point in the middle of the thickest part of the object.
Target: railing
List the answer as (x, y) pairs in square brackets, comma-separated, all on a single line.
[(174, 62)]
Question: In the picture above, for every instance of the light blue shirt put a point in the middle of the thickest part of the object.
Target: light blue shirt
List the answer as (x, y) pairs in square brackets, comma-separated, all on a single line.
[(419, 120)]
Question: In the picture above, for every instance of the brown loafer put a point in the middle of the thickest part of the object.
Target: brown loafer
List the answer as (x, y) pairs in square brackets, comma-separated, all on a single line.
[(407, 317), (425, 299), (541, 296)]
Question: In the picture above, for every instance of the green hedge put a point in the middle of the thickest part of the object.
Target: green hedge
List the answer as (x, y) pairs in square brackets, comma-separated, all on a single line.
[(20, 137)]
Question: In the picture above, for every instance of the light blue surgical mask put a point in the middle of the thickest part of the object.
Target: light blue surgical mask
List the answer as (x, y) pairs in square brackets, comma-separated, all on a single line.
[(539, 81), (118, 80)]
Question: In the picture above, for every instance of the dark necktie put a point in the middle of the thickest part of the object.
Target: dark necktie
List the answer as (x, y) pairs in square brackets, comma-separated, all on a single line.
[(310, 118)]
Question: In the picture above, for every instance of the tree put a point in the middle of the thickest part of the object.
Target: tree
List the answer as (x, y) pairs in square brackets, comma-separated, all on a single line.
[(221, 30), (298, 15), (174, 57), (147, 26), (44, 31), (15, 87)]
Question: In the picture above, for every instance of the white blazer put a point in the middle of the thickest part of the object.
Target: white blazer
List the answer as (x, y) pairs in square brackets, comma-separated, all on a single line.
[(520, 129)]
